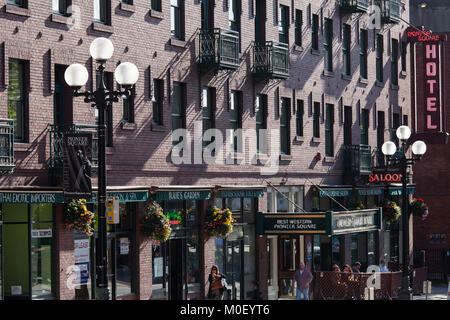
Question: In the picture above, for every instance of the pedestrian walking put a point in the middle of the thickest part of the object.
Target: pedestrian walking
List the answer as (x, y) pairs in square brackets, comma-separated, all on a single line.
[(303, 277), (217, 284), (356, 267)]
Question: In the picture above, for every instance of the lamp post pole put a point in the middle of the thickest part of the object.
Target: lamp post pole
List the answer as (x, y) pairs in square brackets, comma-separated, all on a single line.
[(405, 293), (76, 76), (418, 149)]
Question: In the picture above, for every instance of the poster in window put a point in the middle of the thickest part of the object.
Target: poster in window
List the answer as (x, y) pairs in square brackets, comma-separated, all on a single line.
[(77, 165)]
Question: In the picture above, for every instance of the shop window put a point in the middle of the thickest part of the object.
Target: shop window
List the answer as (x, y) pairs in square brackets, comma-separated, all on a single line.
[(336, 251), (285, 199), (372, 256), (158, 267), (317, 261), (219, 254)]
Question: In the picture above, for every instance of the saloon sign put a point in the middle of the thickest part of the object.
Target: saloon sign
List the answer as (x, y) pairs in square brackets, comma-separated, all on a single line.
[(385, 177)]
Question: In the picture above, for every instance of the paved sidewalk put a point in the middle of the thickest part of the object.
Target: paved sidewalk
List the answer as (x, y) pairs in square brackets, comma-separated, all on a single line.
[(438, 292)]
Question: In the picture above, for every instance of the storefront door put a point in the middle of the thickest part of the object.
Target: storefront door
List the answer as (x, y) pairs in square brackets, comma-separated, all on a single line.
[(176, 268), (1, 258), (288, 261), (234, 263)]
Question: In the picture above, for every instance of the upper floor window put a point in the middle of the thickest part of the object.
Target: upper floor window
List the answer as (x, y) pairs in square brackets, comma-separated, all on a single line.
[(298, 27), (395, 124), (363, 53), (18, 3), (379, 58), (380, 128), (156, 5), (261, 123), (157, 101), (364, 126), (329, 132), (130, 2), (299, 118), (234, 17), (60, 6), (177, 19), (236, 119), (207, 14), (348, 122), (328, 44), (128, 107), (17, 98), (316, 124), (102, 10), (346, 46), (208, 106), (404, 48), (315, 32), (394, 62), (178, 108), (283, 25), (285, 119)]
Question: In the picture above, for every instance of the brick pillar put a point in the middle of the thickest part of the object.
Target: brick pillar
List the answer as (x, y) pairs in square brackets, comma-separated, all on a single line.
[(144, 258), (208, 250), (64, 255), (263, 258)]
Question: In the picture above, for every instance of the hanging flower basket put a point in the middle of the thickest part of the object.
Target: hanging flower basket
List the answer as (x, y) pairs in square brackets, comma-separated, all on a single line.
[(391, 212), (418, 207), (218, 222), (155, 224), (77, 217)]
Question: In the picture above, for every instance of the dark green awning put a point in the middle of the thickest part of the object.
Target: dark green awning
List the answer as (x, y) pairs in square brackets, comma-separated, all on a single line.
[(183, 195), (397, 191), (241, 193), (370, 192), (335, 192)]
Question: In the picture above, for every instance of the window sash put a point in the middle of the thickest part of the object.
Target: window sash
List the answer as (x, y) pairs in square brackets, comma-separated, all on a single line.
[(16, 97), (261, 124), (156, 5), (364, 126), (158, 89), (176, 19), (300, 113), (404, 49), (394, 62), (283, 25), (329, 138), (298, 27), (328, 45), (363, 53), (379, 58), (316, 124), (346, 49), (128, 107), (285, 126), (380, 128), (315, 32)]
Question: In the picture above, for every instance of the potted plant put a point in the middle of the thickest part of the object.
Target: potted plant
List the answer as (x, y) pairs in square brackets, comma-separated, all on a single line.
[(78, 217), (155, 224), (391, 212), (218, 222), (418, 207)]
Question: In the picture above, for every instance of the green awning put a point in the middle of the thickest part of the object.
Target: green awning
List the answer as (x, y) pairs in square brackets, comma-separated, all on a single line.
[(370, 192), (183, 195), (124, 196), (335, 192), (397, 191), (241, 193)]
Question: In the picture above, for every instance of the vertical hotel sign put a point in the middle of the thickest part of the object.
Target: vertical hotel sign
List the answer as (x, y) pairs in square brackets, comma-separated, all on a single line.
[(432, 92)]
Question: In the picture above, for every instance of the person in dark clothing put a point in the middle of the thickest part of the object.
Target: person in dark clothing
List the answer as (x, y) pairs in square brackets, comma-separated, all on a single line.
[(216, 284), (356, 267)]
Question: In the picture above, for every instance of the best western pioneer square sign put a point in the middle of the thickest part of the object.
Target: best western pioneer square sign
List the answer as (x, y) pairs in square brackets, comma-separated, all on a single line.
[(293, 223), (324, 223)]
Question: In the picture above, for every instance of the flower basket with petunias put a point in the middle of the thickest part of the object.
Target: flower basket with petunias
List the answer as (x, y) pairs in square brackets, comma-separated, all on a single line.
[(218, 222), (391, 212), (155, 224), (418, 207), (78, 217)]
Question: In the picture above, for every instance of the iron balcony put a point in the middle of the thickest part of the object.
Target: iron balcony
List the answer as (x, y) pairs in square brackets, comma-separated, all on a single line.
[(390, 11), (357, 160), (218, 49), (270, 60), (6, 146), (354, 6)]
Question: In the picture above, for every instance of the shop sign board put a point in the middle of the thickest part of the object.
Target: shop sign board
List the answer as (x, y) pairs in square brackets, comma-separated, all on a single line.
[(77, 159), (371, 192), (397, 191), (81, 252), (124, 246), (356, 221), (42, 233), (183, 195), (335, 192), (244, 193), (422, 36), (124, 196), (293, 223)]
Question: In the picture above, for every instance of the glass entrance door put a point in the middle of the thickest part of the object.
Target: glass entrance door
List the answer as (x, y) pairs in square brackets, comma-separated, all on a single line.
[(176, 269), (288, 261), (234, 263)]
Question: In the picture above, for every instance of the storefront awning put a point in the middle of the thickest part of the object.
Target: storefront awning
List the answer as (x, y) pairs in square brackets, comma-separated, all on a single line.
[(241, 192), (179, 195), (370, 191), (397, 191), (335, 192)]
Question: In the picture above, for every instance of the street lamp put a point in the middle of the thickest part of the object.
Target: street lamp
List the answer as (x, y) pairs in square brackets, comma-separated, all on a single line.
[(403, 163), (76, 76)]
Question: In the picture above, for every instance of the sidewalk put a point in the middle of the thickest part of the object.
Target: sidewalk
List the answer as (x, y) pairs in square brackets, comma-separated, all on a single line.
[(438, 292)]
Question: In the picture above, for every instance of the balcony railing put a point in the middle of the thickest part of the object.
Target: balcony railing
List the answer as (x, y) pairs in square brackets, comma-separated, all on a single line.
[(354, 5), (271, 60), (57, 148), (219, 49), (6, 146), (390, 11), (357, 160)]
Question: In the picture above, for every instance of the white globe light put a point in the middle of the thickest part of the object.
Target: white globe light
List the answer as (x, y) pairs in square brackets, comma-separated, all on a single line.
[(76, 75), (419, 147), (126, 74), (403, 133), (388, 148), (101, 49)]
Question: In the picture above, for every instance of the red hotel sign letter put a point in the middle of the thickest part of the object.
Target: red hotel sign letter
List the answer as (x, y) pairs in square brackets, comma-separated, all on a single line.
[(432, 89)]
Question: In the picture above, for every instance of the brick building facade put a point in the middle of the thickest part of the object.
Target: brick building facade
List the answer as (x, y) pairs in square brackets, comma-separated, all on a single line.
[(336, 99)]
